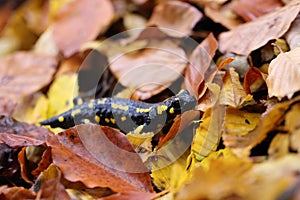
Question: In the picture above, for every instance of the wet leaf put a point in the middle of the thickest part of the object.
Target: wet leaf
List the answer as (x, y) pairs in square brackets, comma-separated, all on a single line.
[(92, 150), (178, 16), (19, 134), (252, 35), (283, 74), (16, 193), (198, 64), (93, 16)]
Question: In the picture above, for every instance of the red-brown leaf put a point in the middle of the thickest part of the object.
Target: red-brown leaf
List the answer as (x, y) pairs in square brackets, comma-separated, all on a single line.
[(99, 157)]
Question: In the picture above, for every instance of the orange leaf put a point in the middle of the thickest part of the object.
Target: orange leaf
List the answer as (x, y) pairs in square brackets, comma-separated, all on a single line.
[(80, 21), (175, 18), (253, 81), (100, 157), (199, 62), (16, 193), (255, 34)]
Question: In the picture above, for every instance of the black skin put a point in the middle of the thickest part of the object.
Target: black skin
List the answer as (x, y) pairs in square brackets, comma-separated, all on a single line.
[(125, 114)]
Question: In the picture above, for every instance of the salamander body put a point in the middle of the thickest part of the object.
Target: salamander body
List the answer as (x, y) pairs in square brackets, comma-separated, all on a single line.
[(124, 114)]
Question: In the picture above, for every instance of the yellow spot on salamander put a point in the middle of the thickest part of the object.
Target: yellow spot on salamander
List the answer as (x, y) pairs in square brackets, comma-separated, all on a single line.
[(97, 118), (123, 118), (142, 110), (101, 101), (91, 104), (161, 108), (107, 120), (171, 111), (113, 120), (121, 107), (75, 112), (61, 118), (138, 129), (79, 101), (86, 121)]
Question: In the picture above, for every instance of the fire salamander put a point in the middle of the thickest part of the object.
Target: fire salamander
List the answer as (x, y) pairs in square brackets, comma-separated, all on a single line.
[(124, 114)]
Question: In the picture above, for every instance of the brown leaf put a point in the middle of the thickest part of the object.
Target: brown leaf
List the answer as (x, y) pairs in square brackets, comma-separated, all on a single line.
[(7, 106), (293, 35), (80, 21), (223, 15), (250, 10), (284, 74), (163, 60), (9, 160), (253, 81), (100, 157), (252, 35), (44, 163), (18, 134), (15, 193), (199, 62), (23, 73), (23, 165), (175, 18), (131, 196)]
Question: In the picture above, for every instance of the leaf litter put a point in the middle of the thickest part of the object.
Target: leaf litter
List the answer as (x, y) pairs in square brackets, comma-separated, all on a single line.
[(240, 142)]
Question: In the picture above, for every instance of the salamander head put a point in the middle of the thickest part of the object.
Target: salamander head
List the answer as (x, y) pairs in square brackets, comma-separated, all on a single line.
[(181, 102)]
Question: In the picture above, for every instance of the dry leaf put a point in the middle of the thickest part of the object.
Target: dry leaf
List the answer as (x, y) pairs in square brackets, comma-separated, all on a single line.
[(46, 45), (198, 64), (279, 146), (163, 60), (241, 145), (233, 93), (9, 161), (284, 74), (23, 73), (179, 17), (131, 196), (254, 81), (252, 35), (293, 35), (80, 21), (208, 134), (223, 15), (101, 157), (7, 106), (250, 10)]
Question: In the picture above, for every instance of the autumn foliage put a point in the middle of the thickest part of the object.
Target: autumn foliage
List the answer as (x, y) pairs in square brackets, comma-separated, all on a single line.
[(240, 59)]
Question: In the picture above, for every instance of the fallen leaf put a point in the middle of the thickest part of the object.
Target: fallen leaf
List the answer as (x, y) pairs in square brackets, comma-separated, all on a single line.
[(198, 64), (9, 161), (284, 74), (102, 157), (19, 134), (94, 16), (163, 60), (293, 34), (7, 106), (252, 35), (16, 193), (254, 81), (233, 93), (23, 166), (175, 18), (241, 145), (223, 15), (292, 125), (250, 10), (208, 134), (131, 196), (279, 146), (23, 73), (46, 45), (44, 163)]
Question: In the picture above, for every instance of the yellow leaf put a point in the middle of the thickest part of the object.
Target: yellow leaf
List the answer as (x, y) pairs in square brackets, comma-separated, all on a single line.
[(279, 146), (208, 134), (233, 93), (32, 109)]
